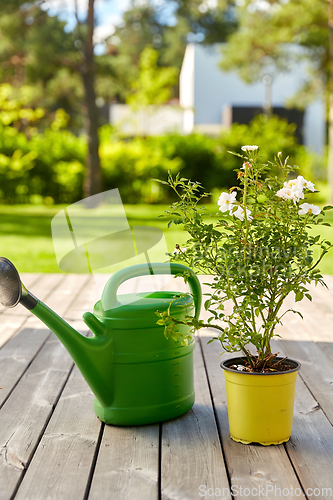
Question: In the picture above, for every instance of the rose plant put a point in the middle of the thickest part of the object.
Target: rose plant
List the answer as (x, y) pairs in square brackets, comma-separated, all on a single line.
[(259, 251)]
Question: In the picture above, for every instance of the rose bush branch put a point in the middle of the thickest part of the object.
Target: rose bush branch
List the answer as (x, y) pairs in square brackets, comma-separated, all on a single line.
[(259, 250)]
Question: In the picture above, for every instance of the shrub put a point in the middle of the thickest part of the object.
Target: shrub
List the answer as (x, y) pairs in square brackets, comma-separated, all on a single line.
[(199, 157), (130, 167), (49, 166), (273, 134), (59, 166)]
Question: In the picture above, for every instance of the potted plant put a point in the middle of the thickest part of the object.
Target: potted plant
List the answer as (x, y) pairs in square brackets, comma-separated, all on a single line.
[(259, 250)]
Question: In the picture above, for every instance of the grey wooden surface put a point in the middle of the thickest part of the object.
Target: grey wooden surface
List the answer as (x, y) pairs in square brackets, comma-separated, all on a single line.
[(52, 447)]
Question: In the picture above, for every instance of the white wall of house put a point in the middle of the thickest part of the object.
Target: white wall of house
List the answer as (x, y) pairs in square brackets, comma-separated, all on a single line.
[(187, 87), (206, 91), (150, 121)]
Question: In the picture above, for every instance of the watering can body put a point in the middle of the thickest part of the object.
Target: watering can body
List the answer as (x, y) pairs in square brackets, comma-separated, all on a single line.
[(136, 374), (151, 377)]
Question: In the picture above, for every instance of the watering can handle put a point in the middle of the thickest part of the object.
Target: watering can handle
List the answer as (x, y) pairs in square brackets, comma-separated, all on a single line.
[(109, 295)]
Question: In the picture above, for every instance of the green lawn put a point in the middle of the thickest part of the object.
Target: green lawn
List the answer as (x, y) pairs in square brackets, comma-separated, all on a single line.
[(26, 239), (25, 234)]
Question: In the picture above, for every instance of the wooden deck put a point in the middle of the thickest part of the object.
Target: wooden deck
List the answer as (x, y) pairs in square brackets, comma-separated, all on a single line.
[(53, 446)]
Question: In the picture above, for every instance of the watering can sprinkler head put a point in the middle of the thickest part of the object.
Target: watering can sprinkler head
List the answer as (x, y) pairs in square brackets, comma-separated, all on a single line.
[(12, 290)]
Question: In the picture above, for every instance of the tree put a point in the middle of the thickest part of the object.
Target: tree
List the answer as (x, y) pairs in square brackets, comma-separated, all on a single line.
[(153, 87), (263, 44), (31, 47), (86, 68), (212, 20), (142, 26), (149, 24), (36, 48)]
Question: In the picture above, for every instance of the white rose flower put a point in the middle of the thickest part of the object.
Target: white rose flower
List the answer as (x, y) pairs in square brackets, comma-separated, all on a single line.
[(305, 184), (290, 184), (226, 201), (179, 250), (239, 213), (300, 183), (249, 148), (299, 195), (286, 193), (307, 208), (297, 187), (310, 186)]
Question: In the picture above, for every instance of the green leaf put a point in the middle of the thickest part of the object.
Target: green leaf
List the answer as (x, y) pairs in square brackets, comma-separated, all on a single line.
[(298, 296), (170, 223), (207, 304)]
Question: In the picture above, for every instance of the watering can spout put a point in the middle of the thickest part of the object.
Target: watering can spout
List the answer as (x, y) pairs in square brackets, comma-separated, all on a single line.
[(88, 353)]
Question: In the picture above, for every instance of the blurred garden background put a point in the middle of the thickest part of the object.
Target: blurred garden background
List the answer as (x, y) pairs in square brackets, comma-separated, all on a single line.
[(65, 64)]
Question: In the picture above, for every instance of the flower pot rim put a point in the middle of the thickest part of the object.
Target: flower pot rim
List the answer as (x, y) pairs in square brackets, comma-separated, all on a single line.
[(227, 362)]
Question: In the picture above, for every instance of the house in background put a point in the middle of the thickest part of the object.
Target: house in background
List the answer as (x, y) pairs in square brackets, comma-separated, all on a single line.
[(210, 100), (213, 99)]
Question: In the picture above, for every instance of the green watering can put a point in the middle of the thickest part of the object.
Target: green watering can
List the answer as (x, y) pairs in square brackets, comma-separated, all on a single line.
[(136, 374)]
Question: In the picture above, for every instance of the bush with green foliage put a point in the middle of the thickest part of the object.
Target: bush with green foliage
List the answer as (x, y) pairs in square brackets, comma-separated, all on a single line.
[(276, 134), (37, 166), (130, 167), (206, 159), (199, 157), (48, 166)]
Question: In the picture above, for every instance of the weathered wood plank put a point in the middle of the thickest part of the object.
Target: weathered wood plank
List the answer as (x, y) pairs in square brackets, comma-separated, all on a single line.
[(67, 447), (16, 355), (191, 450), (316, 371), (252, 468), (13, 319), (311, 443), (86, 295), (311, 446), (26, 412), (61, 465), (316, 322), (127, 464)]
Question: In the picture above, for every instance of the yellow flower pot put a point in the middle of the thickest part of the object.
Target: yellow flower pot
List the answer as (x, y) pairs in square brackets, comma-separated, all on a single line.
[(260, 405)]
